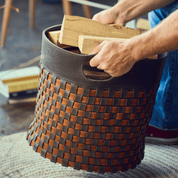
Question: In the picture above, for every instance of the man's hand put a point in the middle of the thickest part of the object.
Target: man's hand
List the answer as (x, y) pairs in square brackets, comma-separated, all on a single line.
[(118, 57), (109, 16), (114, 57), (127, 10)]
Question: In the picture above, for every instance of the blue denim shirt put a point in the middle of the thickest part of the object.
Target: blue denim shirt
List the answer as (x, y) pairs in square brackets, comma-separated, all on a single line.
[(165, 113)]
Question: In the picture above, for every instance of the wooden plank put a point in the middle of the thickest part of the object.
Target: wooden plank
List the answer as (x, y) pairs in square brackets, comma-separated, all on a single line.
[(97, 75), (73, 26), (87, 43), (143, 24), (153, 56), (127, 30), (54, 37)]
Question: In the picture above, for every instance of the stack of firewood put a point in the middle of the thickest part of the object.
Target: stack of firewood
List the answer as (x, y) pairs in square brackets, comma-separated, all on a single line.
[(86, 34), (81, 35)]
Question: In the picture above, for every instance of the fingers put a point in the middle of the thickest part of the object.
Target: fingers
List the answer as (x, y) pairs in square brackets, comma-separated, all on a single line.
[(96, 18), (114, 57), (97, 48), (119, 22), (108, 58), (111, 73), (95, 61), (99, 17)]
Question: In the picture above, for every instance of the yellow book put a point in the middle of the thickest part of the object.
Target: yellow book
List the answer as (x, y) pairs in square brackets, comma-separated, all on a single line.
[(17, 80)]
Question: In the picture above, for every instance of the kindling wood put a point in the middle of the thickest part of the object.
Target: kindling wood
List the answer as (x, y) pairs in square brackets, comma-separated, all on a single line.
[(73, 26), (86, 34), (54, 37), (87, 43)]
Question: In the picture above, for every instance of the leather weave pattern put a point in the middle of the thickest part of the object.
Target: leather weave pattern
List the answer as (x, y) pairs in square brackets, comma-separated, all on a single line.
[(93, 129)]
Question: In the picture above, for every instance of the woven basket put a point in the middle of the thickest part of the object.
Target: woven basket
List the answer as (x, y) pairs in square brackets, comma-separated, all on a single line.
[(93, 125)]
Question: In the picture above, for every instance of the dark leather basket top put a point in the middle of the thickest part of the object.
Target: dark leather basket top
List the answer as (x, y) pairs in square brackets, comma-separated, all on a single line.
[(145, 73), (94, 125)]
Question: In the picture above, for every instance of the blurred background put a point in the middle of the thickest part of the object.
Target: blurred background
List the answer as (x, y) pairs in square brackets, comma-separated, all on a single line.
[(22, 49), (23, 44)]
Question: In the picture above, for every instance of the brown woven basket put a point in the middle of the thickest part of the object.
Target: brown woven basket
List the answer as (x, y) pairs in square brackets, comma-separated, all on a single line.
[(90, 124)]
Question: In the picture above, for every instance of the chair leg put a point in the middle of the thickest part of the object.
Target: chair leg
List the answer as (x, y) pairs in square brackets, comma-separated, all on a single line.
[(32, 8), (87, 11), (5, 22), (67, 7)]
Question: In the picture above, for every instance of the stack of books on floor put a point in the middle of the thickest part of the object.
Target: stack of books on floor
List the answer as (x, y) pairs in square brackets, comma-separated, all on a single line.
[(20, 85)]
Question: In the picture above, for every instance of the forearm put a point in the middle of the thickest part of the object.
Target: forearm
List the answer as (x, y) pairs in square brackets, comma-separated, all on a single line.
[(118, 57), (162, 38), (131, 9)]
